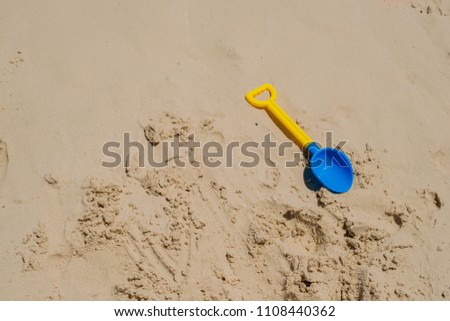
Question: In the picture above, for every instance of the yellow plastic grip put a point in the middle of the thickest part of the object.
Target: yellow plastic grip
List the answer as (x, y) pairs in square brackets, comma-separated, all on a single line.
[(250, 97), (298, 135)]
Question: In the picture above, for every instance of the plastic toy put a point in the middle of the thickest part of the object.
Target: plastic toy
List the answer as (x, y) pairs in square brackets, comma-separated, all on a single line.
[(329, 166)]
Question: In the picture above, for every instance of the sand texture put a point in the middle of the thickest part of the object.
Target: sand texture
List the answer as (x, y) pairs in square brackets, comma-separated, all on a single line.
[(77, 74)]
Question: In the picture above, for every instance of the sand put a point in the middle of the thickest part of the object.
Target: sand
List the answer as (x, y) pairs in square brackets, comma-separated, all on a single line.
[(76, 75)]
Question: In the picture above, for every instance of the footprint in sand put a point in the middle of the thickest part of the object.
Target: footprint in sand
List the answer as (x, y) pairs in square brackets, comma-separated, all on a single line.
[(3, 160), (17, 60), (441, 160), (34, 250), (431, 198)]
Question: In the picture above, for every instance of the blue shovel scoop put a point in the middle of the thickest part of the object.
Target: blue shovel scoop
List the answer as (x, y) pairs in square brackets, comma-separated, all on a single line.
[(330, 167)]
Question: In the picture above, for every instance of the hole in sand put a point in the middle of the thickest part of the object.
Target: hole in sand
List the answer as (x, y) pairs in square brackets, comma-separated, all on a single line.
[(397, 220)]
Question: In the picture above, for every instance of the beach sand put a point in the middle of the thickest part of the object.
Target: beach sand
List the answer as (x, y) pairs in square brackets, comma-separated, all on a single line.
[(75, 75)]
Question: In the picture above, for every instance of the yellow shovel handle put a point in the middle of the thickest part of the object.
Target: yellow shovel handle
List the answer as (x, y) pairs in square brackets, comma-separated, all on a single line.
[(300, 137)]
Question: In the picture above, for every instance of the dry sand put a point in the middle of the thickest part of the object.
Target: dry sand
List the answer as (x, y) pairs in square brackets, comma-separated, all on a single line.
[(77, 74)]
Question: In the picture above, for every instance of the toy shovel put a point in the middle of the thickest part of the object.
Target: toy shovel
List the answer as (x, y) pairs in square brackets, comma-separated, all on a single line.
[(329, 166)]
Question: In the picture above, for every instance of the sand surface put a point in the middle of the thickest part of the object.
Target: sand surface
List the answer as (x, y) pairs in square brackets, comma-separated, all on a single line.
[(77, 74)]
